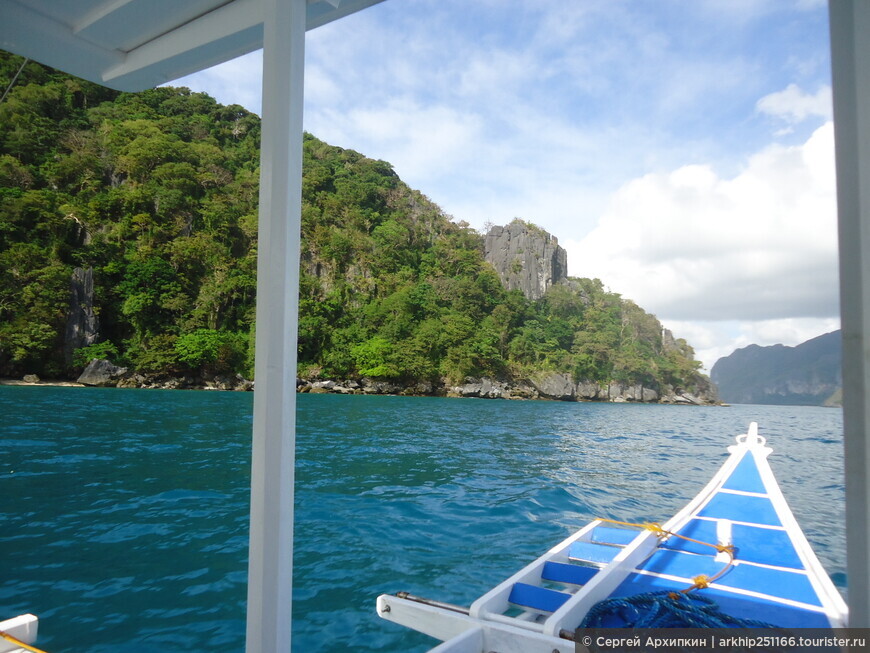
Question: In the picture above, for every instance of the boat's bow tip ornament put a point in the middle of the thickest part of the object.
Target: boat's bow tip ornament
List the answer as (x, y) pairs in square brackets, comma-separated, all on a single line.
[(750, 440)]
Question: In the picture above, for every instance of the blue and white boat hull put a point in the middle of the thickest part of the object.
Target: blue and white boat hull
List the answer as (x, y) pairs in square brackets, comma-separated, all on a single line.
[(736, 543)]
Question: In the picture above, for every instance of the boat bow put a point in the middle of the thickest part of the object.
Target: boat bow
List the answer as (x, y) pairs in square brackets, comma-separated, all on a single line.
[(736, 543)]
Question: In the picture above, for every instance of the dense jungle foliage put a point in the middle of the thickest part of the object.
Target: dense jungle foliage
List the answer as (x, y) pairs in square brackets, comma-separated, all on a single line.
[(157, 193)]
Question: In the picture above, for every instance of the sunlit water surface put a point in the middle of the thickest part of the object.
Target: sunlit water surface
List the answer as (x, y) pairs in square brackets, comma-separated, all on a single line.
[(125, 512)]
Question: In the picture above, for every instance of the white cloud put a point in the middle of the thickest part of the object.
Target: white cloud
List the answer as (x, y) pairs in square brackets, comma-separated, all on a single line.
[(320, 87), (495, 76), (715, 340), (793, 105), (422, 142), (631, 131), (560, 106), (690, 245), (238, 81), (787, 332)]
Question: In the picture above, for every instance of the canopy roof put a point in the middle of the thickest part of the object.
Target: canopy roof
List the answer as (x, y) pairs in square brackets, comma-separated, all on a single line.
[(131, 45)]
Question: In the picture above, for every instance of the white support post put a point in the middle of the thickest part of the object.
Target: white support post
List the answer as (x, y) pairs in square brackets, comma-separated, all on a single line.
[(270, 569), (850, 57)]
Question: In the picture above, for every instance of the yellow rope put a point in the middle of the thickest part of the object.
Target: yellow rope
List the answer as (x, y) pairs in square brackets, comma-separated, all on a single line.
[(18, 642), (699, 582)]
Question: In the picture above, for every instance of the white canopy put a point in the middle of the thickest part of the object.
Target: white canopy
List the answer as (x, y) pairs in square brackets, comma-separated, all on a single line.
[(131, 45)]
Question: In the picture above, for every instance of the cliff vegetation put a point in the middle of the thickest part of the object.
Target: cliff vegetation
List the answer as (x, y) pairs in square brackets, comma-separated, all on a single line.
[(128, 232)]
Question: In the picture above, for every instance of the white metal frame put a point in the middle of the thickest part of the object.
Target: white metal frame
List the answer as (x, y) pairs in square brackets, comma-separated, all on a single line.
[(850, 59), (130, 45), (461, 633), (270, 571)]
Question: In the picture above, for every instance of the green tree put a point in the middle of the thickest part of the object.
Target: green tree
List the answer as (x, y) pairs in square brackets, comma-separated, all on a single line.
[(214, 352), (157, 192)]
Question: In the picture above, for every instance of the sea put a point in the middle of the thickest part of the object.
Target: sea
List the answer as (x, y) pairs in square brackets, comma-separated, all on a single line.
[(124, 513)]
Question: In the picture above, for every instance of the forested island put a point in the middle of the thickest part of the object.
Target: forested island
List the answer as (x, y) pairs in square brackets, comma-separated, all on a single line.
[(128, 233)]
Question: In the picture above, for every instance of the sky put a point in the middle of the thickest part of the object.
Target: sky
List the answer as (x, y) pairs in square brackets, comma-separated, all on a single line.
[(680, 150)]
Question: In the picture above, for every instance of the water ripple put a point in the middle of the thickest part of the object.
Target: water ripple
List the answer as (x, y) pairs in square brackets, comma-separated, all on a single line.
[(128, 525)]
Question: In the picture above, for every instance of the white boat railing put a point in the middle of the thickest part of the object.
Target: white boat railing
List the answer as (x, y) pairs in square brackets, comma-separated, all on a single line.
[(23, 628)]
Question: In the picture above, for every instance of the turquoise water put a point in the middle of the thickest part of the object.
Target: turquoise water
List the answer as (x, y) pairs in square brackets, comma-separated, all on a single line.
[(124, 512)]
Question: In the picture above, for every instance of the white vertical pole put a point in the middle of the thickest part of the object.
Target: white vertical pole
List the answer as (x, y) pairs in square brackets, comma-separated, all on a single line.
[(270, 569), (850, 58)]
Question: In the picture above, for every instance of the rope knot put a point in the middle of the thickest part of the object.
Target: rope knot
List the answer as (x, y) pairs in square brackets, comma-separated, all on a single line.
[(700, 582), (656, 528)]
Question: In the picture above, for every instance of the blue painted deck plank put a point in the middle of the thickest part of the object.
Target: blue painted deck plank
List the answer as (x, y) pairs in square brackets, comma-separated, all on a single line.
[(753, 544), (736, 507), (745, 476), (736, 605), (537, 598), (793, 585), (592, 552), (566, 573)]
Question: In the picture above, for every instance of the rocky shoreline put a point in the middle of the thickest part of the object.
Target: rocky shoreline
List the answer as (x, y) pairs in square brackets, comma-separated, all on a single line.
[(552, 386), (546, 386)]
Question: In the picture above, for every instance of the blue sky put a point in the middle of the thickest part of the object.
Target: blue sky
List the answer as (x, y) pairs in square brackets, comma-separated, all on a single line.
[(681, 151)]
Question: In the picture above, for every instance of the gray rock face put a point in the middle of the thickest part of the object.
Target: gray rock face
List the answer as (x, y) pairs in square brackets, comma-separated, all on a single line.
[(619, 392), (669, 343), (101, 373), (701, 395), (82, 326), (588, 391), (546, 385), (374, 387), (526, 258), (485, 388), (561, 386), (555, 386), (229, 382)]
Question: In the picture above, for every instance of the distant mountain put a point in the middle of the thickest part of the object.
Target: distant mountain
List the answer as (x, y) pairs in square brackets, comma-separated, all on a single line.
[(806, 375)]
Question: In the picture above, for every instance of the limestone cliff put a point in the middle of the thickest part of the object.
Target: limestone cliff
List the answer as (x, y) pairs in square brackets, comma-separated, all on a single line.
[(82, 324), (526, 258)]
